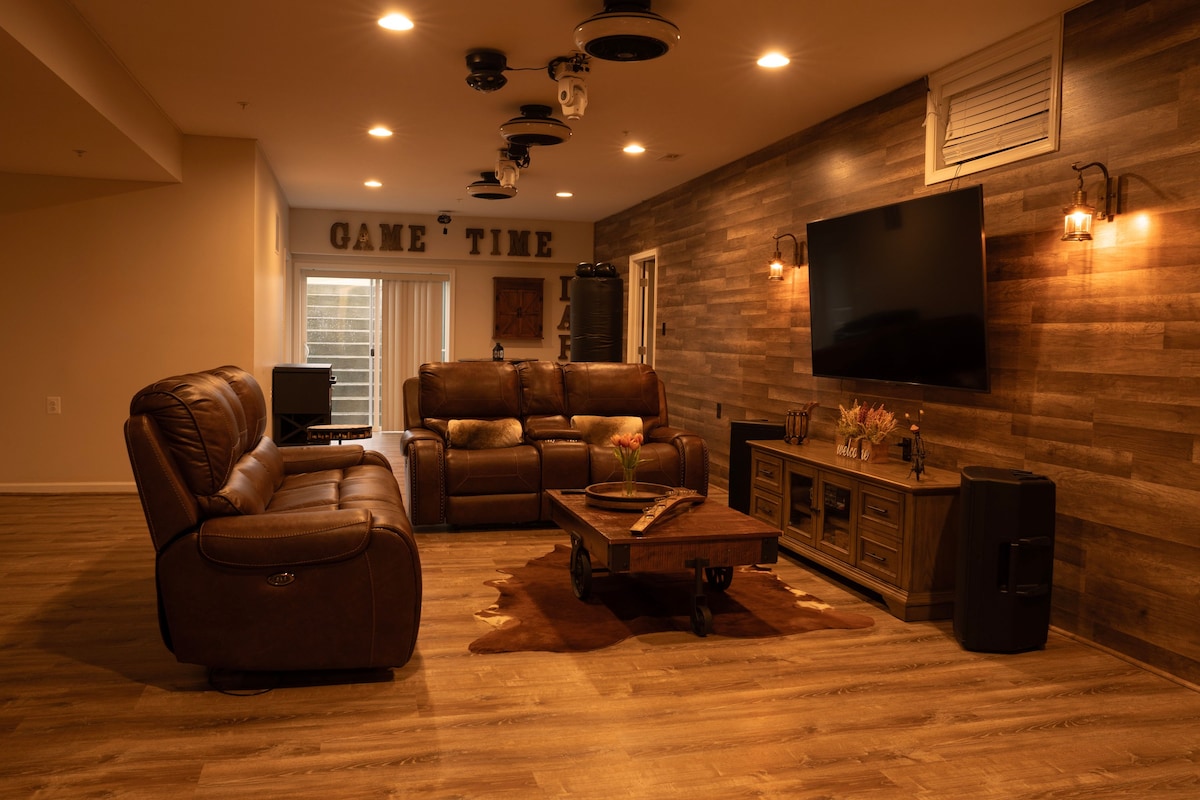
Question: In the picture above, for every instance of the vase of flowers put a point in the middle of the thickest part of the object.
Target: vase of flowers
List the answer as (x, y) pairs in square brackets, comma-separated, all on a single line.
[(862, 431), (627, 447)]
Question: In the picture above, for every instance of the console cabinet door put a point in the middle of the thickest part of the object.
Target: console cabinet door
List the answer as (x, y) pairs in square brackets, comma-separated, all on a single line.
[(800, 504), (836, 521)]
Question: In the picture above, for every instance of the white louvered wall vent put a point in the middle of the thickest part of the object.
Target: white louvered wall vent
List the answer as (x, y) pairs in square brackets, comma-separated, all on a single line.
[(997, 106)]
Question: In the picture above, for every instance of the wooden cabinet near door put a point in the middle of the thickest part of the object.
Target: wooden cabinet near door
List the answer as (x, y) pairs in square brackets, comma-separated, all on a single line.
[(873, 524)]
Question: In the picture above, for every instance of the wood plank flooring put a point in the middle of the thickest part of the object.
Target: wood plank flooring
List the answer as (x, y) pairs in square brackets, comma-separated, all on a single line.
[(93, 705)]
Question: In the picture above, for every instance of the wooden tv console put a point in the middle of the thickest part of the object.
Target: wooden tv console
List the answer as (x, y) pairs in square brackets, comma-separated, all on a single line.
[(873, 524)]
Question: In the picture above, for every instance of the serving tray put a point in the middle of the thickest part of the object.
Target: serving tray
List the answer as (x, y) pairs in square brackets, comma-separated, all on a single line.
[(612, 495)]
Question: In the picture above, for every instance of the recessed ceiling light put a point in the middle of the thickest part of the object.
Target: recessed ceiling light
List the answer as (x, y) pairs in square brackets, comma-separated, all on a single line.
[(380, 131), (374, 184), (633, 148), (564, 194), (396, 22), (774, 60)]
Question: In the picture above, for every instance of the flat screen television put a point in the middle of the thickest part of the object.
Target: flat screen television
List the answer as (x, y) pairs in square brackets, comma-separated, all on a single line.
[(898, 293)]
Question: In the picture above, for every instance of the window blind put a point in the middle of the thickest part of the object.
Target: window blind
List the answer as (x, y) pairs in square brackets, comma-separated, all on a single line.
[(998, 115)]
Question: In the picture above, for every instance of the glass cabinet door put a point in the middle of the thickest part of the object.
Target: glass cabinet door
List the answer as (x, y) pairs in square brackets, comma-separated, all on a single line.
[(835, 533), (800, 504)]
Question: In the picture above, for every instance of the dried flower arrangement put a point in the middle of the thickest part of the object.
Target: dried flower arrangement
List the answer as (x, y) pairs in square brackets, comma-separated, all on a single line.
[(872, 423)]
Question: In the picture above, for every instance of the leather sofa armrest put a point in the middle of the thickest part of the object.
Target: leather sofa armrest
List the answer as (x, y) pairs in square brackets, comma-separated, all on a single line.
[(665, 433), (313, 458), (693, 455), (420, 434), (425, 474), (286, 539)]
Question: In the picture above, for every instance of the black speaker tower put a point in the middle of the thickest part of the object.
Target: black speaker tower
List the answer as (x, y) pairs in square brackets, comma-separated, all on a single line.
[(1005, 560)]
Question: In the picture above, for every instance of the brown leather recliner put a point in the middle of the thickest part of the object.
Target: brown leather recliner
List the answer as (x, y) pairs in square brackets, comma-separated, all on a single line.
[(269, 558), (483, 441)]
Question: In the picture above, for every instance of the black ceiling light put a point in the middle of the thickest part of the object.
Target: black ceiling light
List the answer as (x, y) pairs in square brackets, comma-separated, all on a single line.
[(626, 30), (488, 188), (485, 70), (535, 126)]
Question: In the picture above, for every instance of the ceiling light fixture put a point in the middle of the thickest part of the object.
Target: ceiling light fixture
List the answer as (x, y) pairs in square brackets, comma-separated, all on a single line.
[(775, 266), (535, 126), (396, 22), (626, 30), (633, 148), (774, 61), (564, 194), (489, 188), (1078, 216), (380, 131), (485, 70), (374, 184)]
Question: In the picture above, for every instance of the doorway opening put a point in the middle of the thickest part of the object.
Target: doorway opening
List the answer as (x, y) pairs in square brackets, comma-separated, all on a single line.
[(643, 304)]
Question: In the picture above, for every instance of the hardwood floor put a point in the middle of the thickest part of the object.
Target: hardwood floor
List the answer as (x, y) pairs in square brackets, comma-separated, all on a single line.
[(95, 706)]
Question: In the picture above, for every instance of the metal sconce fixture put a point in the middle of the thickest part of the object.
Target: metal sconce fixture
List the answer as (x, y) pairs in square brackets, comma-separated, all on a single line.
[(1078, 216), (776, 264)]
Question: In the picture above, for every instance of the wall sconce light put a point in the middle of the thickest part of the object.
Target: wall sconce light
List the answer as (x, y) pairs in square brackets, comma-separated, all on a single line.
[(1078, 216), (776, 264)]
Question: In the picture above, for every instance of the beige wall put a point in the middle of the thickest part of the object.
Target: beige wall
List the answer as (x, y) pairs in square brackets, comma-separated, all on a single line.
[(111, 285), (270, 271)]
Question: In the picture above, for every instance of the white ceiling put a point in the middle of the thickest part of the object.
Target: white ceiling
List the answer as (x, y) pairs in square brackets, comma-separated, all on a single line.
[(307, 78)]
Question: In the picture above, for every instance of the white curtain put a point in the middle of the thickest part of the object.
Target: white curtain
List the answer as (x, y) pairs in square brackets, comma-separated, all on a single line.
[(412, 332)]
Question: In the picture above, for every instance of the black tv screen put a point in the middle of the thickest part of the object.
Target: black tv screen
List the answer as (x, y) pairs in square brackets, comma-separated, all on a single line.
[(898, 293)]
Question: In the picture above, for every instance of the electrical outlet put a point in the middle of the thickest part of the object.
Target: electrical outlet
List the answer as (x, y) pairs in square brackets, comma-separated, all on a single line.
[(53, 405)]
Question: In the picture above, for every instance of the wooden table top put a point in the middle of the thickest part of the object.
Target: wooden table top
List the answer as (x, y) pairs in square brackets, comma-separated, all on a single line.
[(706, 522)]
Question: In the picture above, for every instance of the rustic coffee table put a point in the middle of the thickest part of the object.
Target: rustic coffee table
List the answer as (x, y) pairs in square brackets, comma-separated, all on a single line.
[(709, 538)]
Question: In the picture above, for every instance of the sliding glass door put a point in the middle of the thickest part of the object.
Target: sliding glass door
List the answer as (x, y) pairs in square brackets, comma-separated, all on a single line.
[(376, 331)]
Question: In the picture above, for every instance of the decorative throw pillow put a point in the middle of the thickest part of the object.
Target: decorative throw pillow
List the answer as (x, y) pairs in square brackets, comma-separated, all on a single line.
[(484, 434), (599, 430)]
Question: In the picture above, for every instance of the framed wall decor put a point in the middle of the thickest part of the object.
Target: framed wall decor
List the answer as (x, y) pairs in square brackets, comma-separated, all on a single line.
[(518, 309)]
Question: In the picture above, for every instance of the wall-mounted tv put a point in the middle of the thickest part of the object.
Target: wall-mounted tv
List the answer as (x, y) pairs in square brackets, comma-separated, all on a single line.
[(898, 293)]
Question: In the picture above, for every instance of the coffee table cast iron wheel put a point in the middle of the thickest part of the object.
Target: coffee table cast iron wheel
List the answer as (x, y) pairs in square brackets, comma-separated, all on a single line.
[(719, 578)]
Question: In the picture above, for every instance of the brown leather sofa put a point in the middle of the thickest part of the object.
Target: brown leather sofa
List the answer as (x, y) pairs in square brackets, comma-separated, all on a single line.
[(298, 558), (485, 440)]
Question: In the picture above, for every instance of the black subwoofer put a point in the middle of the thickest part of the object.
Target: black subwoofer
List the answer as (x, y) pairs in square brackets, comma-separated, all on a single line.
[(1005, 560)]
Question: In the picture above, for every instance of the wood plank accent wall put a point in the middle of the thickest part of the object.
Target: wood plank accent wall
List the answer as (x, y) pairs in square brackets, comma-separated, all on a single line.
[(1095, 347)]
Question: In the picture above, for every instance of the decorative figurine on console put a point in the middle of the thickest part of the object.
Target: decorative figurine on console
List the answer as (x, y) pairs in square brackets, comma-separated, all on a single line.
[(918, 445), (796, 424)]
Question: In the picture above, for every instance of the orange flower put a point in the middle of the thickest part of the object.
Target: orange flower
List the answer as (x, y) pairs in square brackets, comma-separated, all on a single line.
[(627, 448)]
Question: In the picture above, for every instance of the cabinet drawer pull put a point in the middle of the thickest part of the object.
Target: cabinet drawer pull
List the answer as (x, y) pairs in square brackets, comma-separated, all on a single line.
[(881, 511), (767, 473), (871, 555)]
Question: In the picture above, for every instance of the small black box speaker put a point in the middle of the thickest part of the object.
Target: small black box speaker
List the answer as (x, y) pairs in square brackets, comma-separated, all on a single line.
[(1005, 560), (302, 395), (740, 432)]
